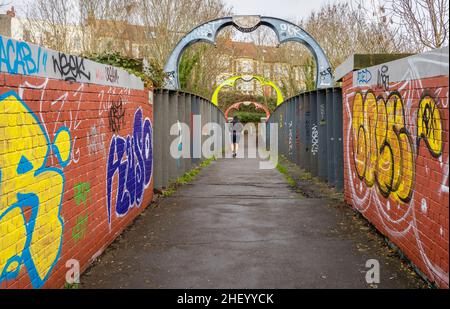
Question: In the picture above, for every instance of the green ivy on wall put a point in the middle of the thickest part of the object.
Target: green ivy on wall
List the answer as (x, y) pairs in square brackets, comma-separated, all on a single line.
[(152, 75)]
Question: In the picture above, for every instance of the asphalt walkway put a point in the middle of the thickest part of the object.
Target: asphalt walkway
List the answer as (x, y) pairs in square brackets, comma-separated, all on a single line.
[(237, 226)]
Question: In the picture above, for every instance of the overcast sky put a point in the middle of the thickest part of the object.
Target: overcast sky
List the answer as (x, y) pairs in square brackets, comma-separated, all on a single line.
[(289, 9)]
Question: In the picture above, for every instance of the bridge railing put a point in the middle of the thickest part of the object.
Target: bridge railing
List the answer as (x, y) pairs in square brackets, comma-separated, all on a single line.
[(177, 110), (310, 133)]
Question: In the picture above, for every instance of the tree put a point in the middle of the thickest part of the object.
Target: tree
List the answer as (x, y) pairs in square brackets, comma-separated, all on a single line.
[(342, 29), (309, 73), (425, 22), (110, 25), (150, 73), (167, 21), (53, 23), (83, 26)]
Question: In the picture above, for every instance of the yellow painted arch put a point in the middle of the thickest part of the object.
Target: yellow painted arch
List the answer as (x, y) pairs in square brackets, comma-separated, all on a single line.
[(232, 80)]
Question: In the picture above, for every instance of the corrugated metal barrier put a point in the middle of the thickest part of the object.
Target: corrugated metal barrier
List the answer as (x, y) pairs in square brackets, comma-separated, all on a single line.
[(178, 108), (310, 133)]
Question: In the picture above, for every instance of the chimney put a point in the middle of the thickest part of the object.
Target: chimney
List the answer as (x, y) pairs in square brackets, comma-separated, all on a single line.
[(11, 12)]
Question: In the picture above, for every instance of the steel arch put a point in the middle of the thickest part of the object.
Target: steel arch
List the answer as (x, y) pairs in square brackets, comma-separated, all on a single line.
[(257, 105), (284, 30), (232, 80)]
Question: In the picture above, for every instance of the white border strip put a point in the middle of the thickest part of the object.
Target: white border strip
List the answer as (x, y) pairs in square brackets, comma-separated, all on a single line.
[(429, 64), (19, 57)]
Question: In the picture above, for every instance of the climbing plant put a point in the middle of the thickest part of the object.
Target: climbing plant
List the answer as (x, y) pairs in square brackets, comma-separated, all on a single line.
[(309, 70), (246, 117), (187, 64), (227, 98), (152, 74)]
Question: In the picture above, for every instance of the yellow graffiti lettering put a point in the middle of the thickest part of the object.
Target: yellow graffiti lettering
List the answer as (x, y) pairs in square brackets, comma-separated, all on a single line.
[(382, 146), (28, 186), (359, 136), (429, 126)]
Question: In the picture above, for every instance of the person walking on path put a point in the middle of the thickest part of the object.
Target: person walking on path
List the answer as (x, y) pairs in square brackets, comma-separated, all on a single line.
[(235, 130)]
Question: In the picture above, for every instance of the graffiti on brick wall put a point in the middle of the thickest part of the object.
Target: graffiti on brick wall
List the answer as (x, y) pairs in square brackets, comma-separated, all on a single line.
[(82, 197), (17, 57), (70, 68), (116, 115), (30, 222), (395, 156), (58, 104), (382, 145), (130, 161), (383, 77), (364, 76), (51, 133), (108, 73), (96, 140), (429, 125), (107, 98)]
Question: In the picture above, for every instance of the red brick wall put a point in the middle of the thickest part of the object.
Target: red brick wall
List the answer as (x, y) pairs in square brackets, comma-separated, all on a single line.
[(396, 163), (55, 140)]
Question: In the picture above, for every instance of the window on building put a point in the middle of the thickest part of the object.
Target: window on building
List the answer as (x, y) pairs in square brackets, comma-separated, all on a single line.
[(297, 73), (285, 71), (267, 71), (135, 50), (27, 35), (246, 66), (247, 86), (278, 71), (224, 62)]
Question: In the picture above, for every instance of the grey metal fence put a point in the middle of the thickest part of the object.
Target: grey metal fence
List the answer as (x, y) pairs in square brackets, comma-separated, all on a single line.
[(177, 108), (310, 133)]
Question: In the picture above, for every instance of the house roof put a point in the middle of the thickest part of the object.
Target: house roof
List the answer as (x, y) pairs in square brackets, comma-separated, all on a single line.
[(264, 53)]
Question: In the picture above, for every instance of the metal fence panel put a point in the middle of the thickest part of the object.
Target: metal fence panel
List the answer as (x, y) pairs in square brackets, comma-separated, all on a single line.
[(338, 142), (188, 121), (165, 141), (181, 162), (157, 138), (173, 121), (301, 125), (314, 136), (296, 102), (330, 138), (322, 128), (307, 132), (310, 133)]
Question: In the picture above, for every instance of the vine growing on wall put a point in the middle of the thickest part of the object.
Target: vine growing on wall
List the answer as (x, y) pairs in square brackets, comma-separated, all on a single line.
[(151, 73)]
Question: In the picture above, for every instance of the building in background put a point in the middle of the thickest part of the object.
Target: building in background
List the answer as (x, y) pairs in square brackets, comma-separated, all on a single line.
[(11, 26), (281, 65), (19, 29), (93, 36)]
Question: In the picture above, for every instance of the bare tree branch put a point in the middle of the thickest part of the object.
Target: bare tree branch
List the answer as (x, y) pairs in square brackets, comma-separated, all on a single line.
[(425, 22)]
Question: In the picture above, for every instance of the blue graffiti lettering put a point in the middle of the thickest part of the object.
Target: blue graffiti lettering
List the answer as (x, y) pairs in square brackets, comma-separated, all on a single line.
[(364, 76), (131, 158), (18, 58)]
